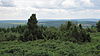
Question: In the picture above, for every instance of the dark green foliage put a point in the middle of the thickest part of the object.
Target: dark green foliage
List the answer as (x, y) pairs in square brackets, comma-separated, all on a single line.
[(51, 33), (69, 39), (27, 36), (20, 29), (33, 31), (70, 31), (75, 33), (80, 26), (50, 48), (10, 36), (32, 22), (66, 26), (91, 29), (33, 28), (98, 26)]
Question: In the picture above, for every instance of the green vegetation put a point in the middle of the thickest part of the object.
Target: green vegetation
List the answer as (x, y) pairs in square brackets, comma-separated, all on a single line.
[(70, 39), (98, 26), (51, 48)]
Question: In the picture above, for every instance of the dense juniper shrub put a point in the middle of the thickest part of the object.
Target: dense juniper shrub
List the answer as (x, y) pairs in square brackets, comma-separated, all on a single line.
[(98, 26), (70, 31), (76, 33)]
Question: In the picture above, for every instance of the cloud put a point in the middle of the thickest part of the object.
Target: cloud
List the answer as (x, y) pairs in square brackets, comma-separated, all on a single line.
[(96, 2), (69, 4), (35, 3), (53, 4), (6, 3), (87, 3), (77, 4), (22, 9)]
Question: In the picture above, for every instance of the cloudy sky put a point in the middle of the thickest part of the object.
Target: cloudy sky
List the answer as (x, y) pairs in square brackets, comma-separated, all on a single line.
[(49, 9)]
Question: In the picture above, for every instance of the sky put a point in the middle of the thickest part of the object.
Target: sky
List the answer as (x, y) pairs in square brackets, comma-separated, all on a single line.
[(49, 9)]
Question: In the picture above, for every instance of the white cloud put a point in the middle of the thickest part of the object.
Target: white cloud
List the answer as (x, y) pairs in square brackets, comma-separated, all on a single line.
[(87, 3), (76, 4), (44, 9), (35, 3), (69, 4), (6, 3)]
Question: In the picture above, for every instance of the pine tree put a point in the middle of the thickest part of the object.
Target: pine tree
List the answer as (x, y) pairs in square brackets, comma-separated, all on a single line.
[(32, 22), (33, 28)]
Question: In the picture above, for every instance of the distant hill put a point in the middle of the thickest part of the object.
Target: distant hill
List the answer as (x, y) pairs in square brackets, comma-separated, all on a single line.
[(11, 23), (57, 23), (88, 19), (48, 22)]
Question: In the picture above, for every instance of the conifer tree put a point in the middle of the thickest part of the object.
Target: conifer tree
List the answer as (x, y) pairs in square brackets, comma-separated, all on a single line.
[(32, 22), (33, 28)]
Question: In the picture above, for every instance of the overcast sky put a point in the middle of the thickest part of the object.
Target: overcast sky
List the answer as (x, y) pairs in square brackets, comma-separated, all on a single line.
[(49, 9)]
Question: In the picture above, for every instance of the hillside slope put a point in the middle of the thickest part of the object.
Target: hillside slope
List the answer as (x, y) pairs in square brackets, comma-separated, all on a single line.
[(51, 48)]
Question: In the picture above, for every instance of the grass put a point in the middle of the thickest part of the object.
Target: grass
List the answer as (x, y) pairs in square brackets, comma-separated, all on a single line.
[(51, 48)]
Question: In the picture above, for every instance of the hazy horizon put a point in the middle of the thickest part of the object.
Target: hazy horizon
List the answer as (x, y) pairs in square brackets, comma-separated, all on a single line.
[(56, 19)]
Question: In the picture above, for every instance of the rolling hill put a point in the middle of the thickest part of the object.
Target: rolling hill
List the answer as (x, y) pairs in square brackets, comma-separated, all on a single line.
[(48, 22)]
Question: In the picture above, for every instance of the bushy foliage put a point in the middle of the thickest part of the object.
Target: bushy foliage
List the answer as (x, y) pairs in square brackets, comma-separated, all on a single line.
[(70, 39), (10, 36), (98, 26), (49, 48), (32, 32), (51, 33), (75, 32), (70, 31)]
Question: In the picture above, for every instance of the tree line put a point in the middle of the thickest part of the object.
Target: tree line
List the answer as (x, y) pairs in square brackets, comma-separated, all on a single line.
[(30, 32)]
